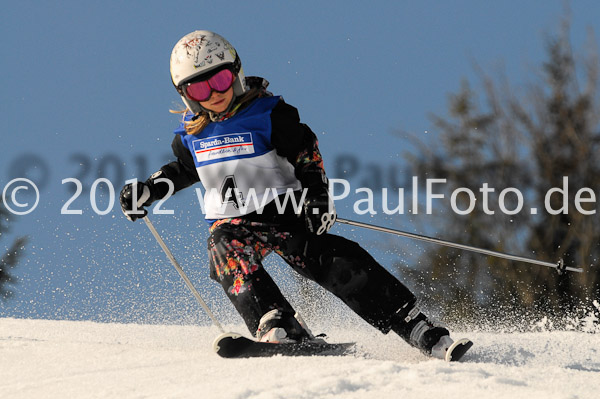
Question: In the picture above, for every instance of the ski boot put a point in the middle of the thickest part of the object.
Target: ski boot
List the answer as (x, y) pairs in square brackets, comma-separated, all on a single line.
[(414, 327), (431, 340)]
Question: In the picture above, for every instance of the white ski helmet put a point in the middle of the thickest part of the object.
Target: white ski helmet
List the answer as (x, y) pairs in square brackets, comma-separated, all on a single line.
[(204, 52)]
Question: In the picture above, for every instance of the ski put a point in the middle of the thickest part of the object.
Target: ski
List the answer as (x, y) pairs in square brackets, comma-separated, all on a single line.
[(456, 351), (233, 345)]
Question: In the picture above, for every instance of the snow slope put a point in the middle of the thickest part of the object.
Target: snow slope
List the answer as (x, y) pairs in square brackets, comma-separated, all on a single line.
[(72, 359)]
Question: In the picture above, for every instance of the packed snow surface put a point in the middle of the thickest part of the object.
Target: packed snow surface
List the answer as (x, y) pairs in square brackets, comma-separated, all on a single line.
[(82, 359)]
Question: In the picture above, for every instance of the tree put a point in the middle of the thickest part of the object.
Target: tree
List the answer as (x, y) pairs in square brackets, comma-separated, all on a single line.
[(10, 259), (545, 142)]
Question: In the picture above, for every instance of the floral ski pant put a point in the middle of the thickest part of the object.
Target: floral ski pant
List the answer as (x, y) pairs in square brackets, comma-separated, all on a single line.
[(236, 248)]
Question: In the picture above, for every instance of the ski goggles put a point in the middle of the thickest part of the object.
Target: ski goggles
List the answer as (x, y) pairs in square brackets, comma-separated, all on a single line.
[(201, 90)]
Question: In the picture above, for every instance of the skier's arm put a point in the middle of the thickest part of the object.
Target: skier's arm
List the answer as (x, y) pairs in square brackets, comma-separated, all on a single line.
[(297, 142), (180, 172)]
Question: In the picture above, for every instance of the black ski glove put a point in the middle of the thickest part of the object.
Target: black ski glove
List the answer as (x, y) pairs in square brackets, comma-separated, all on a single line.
[(139, 191), (319, 211), (155, 188)]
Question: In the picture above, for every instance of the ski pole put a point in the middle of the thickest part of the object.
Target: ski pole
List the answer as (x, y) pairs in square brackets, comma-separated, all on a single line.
[(559, 266), (182, 273)]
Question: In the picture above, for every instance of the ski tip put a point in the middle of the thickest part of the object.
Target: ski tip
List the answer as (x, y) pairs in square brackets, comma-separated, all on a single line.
[(458, 349), (225, 335)]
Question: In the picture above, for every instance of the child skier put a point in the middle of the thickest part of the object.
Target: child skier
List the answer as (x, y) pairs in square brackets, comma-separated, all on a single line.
[(249, 149)]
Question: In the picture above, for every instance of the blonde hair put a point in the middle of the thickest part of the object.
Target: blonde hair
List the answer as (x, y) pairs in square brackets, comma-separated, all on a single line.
[(202, 119)]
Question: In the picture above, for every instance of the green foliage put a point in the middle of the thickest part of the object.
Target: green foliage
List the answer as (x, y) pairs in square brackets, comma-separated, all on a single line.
[(528, 140)]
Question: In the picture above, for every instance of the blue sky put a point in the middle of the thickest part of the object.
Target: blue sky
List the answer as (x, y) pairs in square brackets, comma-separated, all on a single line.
[(86, 93)]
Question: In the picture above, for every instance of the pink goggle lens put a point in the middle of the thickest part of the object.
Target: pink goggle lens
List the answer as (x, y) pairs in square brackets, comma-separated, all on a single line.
[(201, 90)]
